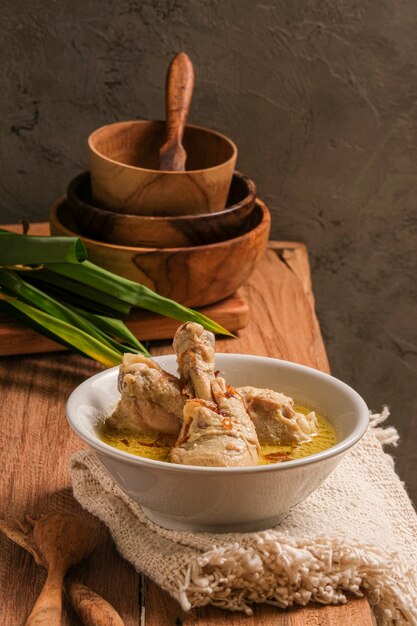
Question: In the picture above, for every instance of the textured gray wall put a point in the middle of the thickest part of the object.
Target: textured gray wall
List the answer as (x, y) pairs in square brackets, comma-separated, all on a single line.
[(320, 96)]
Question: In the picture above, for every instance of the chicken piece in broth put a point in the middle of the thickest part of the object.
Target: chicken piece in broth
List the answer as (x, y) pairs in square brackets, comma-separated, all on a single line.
[(275, 419), (151, 399), (194, 348), (217, 431), (215, 425)]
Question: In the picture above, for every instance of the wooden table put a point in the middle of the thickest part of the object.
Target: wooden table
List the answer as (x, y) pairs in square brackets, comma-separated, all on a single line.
[(37, 443)]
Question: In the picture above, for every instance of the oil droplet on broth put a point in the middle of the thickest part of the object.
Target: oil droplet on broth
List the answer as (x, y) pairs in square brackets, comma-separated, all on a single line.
[(157, 447)]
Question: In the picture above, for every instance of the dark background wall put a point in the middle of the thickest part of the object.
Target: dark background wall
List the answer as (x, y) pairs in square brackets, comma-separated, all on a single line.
[(321, 98)]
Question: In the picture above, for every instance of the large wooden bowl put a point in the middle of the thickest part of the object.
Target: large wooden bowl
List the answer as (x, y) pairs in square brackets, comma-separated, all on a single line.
[(125, 174), (193, 276), (163, 232)]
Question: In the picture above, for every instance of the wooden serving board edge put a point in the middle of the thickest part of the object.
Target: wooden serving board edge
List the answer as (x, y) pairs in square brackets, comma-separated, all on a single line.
[(15, 338)]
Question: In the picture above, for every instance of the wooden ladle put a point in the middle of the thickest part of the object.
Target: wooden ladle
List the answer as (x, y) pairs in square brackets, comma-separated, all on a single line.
[(179, 91), (89, 606)]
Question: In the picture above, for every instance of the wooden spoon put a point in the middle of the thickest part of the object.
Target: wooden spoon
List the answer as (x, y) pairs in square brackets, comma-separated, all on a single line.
[(179, 91), (63, 540), (89, 606)]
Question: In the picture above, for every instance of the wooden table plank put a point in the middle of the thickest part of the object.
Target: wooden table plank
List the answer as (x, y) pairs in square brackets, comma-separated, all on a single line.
[(39, 443), (36, 444)]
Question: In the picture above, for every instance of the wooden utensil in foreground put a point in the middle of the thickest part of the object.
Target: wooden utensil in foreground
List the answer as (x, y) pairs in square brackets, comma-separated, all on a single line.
[(63, 540), (92, 609), (179, 91)]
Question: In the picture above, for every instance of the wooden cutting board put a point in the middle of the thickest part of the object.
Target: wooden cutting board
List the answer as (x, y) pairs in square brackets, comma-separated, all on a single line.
[(15, 338)]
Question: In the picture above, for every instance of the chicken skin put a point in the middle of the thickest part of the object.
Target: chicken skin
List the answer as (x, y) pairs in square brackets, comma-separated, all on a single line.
[(151, 399), (274, 417)]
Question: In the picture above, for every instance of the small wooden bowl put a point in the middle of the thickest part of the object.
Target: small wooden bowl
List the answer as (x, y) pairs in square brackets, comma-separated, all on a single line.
[(125, 174), (192, 276), (162, 232)]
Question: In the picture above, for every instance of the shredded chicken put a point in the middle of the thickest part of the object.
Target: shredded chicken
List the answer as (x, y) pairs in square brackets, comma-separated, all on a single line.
[(151, 399), (274, 417)]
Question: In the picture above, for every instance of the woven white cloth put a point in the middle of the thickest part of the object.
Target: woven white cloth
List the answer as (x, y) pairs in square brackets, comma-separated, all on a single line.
[(357, 533)]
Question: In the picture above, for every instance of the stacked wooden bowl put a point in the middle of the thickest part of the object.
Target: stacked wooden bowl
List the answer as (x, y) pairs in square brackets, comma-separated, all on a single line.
[(197, 257), (163, 205)]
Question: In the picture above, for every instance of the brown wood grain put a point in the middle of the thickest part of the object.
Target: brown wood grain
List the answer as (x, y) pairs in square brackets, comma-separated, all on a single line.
[(38, 444), (92, 609)]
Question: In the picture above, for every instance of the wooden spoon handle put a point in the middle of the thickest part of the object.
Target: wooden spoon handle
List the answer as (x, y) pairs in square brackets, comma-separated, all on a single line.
[(92, 609), (48, 607), (179, 91)]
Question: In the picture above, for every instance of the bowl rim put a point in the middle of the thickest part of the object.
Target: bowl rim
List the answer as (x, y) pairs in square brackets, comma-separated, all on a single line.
[(339, 448), (264, 222), (251, 195), (97, 131)]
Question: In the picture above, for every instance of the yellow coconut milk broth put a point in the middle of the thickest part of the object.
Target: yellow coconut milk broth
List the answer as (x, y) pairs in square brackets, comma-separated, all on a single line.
[(157, 447), (150, 446)]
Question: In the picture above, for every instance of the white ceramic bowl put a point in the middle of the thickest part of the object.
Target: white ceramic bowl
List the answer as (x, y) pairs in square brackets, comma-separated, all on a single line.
[(216, 499)]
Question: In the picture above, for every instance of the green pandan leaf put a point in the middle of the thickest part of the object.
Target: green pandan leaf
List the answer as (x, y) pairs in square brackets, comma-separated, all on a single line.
[(65, 333), (28, 250), (133, 293)]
